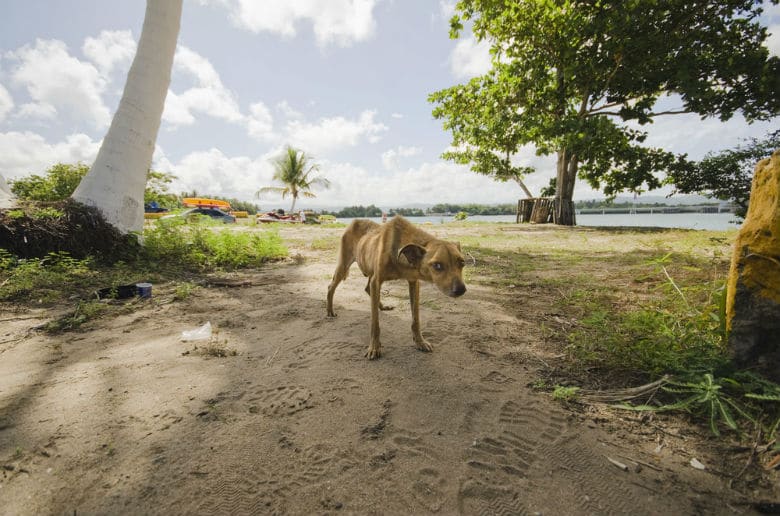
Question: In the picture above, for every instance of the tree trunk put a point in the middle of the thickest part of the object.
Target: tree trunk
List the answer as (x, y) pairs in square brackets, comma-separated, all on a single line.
[(115, 183), (564, 188), (7, 198)]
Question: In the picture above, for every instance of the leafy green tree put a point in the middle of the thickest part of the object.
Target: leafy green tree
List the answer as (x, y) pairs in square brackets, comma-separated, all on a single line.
[(157, 184), (568, 75), (57, 183), (728, 174), (294, 169), (351, 212)]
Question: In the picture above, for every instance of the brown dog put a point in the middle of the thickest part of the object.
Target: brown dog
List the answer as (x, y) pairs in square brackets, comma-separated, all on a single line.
[(397, 250)]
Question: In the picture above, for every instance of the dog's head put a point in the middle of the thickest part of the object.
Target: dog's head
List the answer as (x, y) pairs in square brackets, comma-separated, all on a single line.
[(439, 262)]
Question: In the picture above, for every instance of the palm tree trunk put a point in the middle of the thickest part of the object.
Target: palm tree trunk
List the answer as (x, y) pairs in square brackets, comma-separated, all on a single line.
[(7, 197), (115, 183), (292, 208)]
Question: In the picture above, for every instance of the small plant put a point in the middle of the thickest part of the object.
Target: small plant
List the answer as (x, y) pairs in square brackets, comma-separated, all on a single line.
[(184, 290), (461, 215), (562, 393), (47, 213), (85, 311)]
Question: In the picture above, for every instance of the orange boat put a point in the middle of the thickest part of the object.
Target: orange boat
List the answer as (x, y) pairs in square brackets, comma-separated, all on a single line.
[(199, 202)]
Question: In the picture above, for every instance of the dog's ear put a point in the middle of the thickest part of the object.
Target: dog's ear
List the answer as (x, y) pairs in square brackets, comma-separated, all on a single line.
[(413, 253), (457, 244)]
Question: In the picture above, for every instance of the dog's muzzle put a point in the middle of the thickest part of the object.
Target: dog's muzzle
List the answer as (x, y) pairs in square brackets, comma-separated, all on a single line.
[(458, 289)]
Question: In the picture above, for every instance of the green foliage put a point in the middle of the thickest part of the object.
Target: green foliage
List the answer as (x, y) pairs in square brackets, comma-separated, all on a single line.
[(294, 169), (44, 278), (85, 311), (671, 336), (406, 212), (157, 184), (704, 396), (566, 76), (740, 398), (47, 213), (203, 246), (184, 290), (727, 174), (461, 215), (354, 212), (474, 209), (56, 184), (561, 393)]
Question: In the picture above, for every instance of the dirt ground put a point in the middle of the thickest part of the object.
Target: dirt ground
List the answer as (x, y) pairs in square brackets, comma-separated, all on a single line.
[(122, 417)]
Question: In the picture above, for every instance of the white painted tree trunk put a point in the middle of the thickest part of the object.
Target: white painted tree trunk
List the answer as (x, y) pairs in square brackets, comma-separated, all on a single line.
[(7, 198), (115, 183)]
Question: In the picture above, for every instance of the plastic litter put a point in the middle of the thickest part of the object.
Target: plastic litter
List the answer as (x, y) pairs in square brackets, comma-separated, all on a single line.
[(698, 465), (204, 332)]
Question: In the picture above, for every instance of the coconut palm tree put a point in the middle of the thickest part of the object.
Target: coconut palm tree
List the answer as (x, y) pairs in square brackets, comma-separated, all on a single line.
[(115, 182), (294, 169), (7, 198)]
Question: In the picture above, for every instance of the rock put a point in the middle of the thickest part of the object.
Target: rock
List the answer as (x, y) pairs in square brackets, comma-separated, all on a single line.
[(753, 299)]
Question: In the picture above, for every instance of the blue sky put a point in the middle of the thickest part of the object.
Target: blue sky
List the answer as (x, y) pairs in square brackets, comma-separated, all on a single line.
[(346, 80)]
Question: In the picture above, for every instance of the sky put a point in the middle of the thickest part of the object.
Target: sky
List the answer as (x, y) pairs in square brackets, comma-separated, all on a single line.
[(345, 80)]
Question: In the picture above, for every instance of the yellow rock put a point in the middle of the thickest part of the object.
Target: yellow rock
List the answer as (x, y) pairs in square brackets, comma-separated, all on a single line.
[(753, 299)]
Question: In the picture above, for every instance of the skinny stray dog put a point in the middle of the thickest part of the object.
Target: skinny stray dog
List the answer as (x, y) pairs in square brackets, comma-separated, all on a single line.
[(397, 250)]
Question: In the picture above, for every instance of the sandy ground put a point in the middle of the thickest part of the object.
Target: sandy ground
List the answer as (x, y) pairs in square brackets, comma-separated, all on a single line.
[(123, 417)]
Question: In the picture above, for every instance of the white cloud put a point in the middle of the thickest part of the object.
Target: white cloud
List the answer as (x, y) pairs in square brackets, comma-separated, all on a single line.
[(212, 172), (209, 96), (397, 115), (55, 79), (287, 110), (390, 158), (260, 122), (447, 8), (430, 182), (470, 58), (6, 102), (24, 153), (339, 22), (39, 111), (110, 49), (331, 133)]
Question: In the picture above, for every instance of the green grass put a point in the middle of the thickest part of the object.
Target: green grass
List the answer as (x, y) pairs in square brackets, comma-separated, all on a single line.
[(173, 251)]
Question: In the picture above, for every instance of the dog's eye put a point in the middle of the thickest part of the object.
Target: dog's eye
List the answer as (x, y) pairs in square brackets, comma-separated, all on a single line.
[(437, 266)]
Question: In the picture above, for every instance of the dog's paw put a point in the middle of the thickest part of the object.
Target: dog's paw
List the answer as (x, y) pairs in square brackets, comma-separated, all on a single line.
[(424, 345), (373, 352), (331, 314)]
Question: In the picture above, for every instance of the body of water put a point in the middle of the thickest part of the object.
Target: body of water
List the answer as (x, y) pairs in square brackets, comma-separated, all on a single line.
[(709, 221)]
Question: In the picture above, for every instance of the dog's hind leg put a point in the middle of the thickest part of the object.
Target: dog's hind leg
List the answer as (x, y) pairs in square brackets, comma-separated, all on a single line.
[(381, 306), (346, 259), (414, 301)]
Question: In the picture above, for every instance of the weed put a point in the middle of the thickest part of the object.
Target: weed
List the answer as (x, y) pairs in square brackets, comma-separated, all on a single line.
[(721, 400), (85, 311), (325, 243), (184, 290), (45, 278), (561, 393), (203, 246), (47, 213)]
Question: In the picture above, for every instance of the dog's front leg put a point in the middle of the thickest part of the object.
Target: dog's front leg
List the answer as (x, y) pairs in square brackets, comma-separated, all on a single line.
[(374, 347), (414, 301)]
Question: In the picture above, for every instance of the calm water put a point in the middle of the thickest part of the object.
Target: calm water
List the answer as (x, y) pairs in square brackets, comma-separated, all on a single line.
[(710, 221)]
